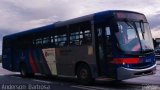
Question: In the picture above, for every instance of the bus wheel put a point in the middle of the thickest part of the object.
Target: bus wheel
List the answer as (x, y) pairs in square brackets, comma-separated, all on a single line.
[(23, 70), (84, 74)]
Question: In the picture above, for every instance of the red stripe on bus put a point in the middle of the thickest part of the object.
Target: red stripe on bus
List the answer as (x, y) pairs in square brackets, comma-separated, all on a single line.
[(125, 60), (32, 63)]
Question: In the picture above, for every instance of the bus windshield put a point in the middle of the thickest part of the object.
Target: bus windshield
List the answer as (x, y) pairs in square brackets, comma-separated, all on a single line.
[(134, 36)]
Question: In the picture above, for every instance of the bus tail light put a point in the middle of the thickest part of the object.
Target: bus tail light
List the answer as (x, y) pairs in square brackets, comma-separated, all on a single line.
[(125, 60)]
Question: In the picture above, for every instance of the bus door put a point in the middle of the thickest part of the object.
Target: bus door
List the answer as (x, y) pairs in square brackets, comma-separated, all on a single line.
[(103, 48)]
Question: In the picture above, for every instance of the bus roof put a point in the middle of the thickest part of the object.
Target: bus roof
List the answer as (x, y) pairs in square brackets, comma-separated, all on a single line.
[(95, 16)]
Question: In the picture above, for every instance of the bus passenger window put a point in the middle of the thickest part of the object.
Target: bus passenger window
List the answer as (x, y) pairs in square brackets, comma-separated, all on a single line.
[(108, 32), (52, 39), (33, 42), (56, 40), (46, 40), (87, 37), (80, 33), (74, 38), (38, 41), (60, 40), (99, 32)]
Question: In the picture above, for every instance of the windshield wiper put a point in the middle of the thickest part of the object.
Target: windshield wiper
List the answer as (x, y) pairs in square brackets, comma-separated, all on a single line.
[(142, 27), (129, 23)]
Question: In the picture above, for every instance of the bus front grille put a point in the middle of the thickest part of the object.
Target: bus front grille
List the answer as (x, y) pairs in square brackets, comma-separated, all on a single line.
[(141, 65)]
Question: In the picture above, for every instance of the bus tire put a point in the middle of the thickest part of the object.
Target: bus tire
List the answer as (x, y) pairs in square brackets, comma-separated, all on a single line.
[(84, 74)]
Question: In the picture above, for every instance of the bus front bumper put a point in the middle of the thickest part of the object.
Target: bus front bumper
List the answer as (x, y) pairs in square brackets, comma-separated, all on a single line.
[(126, 73)]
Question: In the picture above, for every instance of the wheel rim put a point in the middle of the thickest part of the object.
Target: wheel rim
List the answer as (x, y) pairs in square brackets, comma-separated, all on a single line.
[(83, 74)]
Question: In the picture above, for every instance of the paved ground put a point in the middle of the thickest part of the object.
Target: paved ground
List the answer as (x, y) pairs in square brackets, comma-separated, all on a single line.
[(158, 62), (14, 80)]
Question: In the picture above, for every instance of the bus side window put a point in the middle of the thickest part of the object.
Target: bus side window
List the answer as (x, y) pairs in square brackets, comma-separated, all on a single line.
[(38, 41), (52, 39), (74, 38), (87, 37), (62, 39), (46, 40), (86, 32), (108, 41), (108, 32), (99, 32), (56, 40), (80, 33), (74, 35)]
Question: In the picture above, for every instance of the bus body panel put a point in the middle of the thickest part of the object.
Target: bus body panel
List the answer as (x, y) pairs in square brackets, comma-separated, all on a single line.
[(68, 57)]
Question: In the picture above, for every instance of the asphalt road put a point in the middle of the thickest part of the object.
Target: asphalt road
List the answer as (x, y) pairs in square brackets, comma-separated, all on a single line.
[(13, 81)]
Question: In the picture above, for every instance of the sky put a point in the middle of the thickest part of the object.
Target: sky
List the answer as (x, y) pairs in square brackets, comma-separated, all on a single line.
[(21, 15)]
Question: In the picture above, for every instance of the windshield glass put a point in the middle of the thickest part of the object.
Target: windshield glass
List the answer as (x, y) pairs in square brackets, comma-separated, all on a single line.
[(134, 36), (145, 36)]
